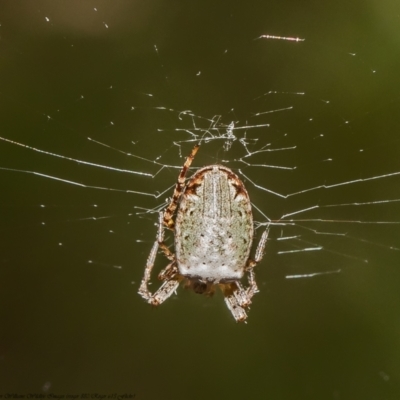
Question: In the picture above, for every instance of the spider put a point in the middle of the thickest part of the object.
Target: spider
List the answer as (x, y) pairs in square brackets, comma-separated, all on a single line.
[(210, 215)]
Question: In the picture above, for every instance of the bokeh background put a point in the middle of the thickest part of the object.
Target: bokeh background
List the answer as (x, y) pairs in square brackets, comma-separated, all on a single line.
[(71, 319)]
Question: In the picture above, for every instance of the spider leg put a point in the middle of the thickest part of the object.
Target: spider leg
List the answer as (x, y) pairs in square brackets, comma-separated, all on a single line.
[(239, 298), (261, 247), (143, 288), (160, 238), (164, 292), (253, 289), (235, 307), (180, 184), (169, 274)]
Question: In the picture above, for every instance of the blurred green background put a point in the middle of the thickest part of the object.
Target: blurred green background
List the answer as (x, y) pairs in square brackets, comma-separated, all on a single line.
[(71, 319)]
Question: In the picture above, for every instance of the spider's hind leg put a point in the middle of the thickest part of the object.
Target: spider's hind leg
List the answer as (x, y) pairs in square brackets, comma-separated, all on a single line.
[(234, 296), (169, 274), (238, 298), (170, 277), (169, 286)]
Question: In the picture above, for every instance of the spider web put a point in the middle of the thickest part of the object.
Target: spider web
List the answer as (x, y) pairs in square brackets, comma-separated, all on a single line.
[(323, 175), (100, 104)]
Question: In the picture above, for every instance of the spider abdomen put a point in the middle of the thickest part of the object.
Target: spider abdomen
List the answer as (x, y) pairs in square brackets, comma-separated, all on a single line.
[(213, 226)]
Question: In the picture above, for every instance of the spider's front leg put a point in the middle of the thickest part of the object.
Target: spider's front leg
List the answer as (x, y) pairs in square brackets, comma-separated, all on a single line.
[(170, 274), (180, 184)]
